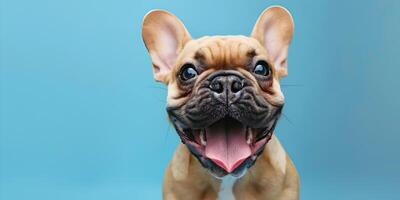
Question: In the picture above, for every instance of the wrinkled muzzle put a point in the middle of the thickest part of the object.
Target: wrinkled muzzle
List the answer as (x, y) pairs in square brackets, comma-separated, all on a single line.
[(225, 123)]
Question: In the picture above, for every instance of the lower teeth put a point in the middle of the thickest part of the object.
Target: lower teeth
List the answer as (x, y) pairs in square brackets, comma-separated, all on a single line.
[(249, 137), (203, 138)]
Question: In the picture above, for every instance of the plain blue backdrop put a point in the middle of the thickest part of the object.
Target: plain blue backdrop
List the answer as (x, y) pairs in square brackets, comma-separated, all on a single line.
[(82, 118)]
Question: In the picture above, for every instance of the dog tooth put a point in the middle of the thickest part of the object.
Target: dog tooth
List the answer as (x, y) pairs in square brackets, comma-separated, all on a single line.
[(202, 138), (249, 138)]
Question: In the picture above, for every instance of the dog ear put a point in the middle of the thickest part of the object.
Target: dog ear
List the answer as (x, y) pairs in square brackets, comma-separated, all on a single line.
[(274, 30), (164, 36)]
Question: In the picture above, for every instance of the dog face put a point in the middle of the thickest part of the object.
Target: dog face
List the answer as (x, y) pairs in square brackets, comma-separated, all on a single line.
[(224, 97)]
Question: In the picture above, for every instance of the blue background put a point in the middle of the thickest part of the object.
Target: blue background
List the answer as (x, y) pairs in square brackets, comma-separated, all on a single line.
[(82, 118)]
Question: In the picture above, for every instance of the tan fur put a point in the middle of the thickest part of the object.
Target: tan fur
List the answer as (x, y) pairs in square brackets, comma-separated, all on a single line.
[(221, 52), (273, 176)]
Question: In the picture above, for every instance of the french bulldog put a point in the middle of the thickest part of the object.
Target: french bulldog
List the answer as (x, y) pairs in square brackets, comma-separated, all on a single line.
[(224, 100)]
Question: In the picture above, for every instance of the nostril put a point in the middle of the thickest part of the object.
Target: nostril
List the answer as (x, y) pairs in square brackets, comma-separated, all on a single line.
[(217, 87), (236, 86)]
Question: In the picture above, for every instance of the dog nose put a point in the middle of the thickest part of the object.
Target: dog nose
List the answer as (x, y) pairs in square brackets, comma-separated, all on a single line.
[(228, 84)]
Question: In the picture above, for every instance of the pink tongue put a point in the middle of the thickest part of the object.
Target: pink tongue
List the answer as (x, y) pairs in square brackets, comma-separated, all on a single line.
[(226, 144)]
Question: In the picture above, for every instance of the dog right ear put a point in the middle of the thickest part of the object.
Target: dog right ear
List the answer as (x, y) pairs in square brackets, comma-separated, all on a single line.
[(164, 36), (274, 30)]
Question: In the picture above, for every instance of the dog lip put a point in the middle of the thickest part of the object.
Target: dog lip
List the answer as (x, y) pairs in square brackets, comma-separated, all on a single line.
[(196, 140), (187, 133), (262, 133)]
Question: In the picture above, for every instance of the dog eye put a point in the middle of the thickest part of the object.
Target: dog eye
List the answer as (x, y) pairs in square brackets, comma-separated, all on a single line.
[(188, 71), (262, 68)]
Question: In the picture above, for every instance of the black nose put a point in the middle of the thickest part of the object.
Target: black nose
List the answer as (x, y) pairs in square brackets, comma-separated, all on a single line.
[(226, 86)]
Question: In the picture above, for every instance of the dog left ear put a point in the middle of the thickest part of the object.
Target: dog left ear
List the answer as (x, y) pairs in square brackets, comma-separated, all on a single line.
[(274, 30)]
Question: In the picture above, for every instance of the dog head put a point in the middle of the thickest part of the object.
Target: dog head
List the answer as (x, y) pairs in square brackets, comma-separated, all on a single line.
[(224, 97)]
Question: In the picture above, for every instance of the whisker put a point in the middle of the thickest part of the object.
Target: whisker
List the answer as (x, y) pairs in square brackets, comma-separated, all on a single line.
[(161, 100), (287, 118), (292, 85), (158, 87)]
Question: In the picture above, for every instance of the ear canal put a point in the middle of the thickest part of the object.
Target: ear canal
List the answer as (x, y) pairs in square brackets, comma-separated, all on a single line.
[(164, 36), (274, 30)]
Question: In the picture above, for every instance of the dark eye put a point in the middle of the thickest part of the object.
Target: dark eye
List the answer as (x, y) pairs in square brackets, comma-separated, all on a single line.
[(188, 71), (262, 68)]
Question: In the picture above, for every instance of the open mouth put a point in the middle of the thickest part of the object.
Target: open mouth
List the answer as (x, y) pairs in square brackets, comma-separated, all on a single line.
[(228, 144)]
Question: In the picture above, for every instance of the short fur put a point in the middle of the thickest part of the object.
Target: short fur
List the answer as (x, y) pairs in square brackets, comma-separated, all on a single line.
[(273, 176)]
